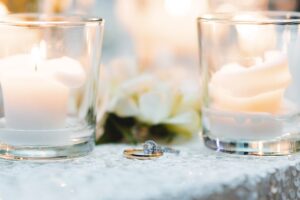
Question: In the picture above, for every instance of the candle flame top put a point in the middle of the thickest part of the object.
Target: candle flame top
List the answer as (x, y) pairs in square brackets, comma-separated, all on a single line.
[(38, 52)]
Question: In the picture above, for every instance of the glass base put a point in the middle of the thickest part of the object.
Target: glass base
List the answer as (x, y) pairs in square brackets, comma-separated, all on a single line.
[(46, 153), (280, 146)]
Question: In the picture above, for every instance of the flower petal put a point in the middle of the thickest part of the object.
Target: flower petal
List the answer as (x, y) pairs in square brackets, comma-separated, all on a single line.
[(138, 85), (155, 106), (123, 106), (188, 121)]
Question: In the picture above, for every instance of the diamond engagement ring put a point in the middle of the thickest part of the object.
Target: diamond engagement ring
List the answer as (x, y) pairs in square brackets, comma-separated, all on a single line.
[(150, 150), (150, 147)]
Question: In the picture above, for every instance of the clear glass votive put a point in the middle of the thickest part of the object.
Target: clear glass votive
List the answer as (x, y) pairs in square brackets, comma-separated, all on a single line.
[(49, 68), (250, 69)]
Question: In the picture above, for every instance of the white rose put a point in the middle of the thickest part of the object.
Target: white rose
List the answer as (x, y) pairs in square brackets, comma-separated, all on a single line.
[(154, 98), (157, 104)]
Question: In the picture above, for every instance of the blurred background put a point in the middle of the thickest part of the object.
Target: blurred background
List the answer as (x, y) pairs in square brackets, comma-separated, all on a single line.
[(151, 32), (142, 37)]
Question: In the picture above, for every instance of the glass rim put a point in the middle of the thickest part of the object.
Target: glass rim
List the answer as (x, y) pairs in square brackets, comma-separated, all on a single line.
[(39, 19), (254, 17)]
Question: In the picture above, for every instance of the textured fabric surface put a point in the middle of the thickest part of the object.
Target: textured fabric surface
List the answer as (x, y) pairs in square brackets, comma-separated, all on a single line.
[(197, 173)]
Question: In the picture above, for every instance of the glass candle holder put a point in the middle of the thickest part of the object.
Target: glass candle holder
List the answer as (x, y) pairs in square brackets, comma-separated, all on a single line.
[(250, 82), (49, 68)]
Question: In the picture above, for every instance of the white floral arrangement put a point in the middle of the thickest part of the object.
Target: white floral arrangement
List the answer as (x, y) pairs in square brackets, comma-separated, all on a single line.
[(161, 104)]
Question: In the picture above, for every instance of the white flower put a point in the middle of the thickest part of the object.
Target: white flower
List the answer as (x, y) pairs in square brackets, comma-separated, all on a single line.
[(156, 105), (124, 106), (170, 96), (188, 121)]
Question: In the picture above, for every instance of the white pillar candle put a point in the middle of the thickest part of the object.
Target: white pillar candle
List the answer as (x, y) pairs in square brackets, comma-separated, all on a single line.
[(245, 99), (33, 101), (36, 95), (257, 88), (248, 126)]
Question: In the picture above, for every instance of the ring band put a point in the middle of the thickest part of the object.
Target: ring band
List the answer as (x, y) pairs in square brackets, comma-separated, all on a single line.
[(140, 155), (170, 150)]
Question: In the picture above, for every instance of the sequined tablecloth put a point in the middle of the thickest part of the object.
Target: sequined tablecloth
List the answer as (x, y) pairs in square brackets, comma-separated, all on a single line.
[(197, 173)]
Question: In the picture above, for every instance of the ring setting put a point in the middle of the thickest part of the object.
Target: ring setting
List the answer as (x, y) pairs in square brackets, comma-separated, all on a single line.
[(151, 150)]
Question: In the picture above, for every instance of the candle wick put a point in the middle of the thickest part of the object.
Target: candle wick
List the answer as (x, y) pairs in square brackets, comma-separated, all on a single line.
[(35, 67)]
